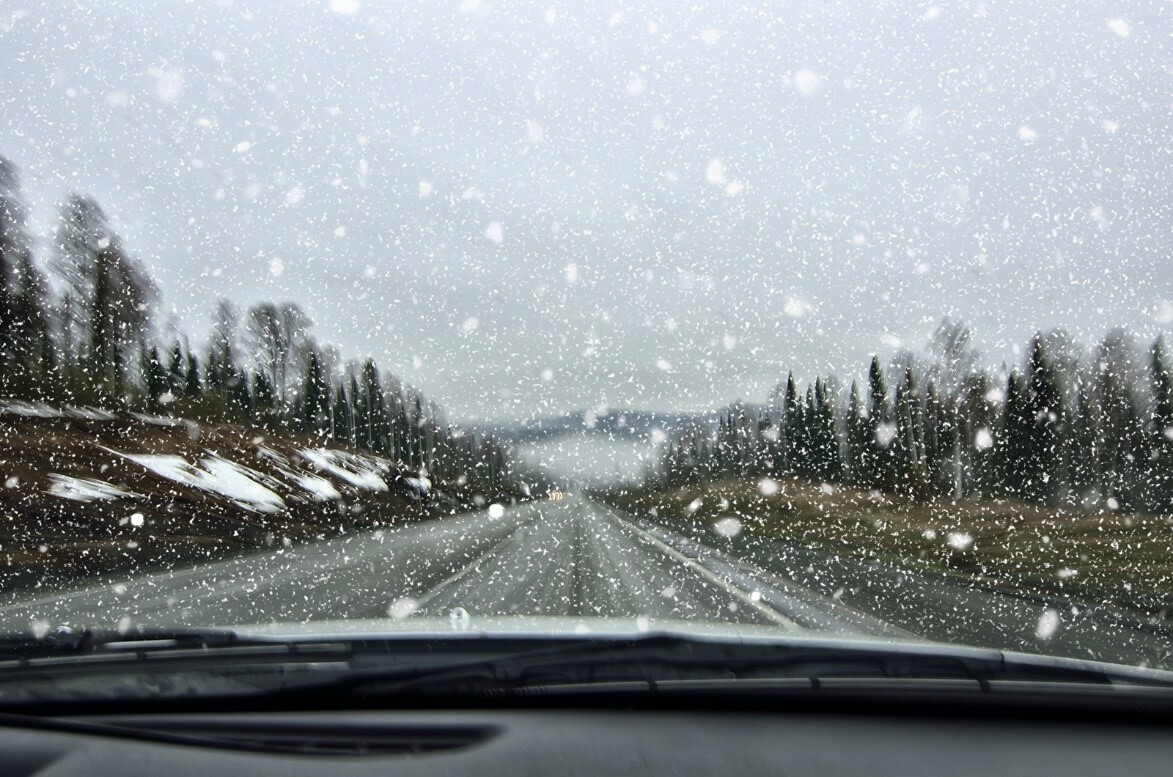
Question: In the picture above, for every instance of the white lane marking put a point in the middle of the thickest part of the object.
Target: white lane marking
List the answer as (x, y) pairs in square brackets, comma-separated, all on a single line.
[(745, 569), (455, 576), (712, 577), (463, 571)]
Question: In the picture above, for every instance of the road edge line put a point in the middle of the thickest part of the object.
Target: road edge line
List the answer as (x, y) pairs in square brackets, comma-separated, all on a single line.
[(713, 577)]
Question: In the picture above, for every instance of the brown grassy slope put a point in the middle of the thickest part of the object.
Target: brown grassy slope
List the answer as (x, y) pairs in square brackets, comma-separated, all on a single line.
[(1125, 560), (46, 539)]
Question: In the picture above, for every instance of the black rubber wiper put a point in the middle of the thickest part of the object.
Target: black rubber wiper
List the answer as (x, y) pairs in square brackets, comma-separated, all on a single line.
[(390, 666), (65, 641), (112, 647), (669, 660)]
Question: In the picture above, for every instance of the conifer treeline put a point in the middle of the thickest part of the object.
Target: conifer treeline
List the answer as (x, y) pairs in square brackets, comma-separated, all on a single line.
[(82, 333), (1065, 428)]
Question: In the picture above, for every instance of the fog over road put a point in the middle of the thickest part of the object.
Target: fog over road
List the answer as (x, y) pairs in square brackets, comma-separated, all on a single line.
[(571, 558)]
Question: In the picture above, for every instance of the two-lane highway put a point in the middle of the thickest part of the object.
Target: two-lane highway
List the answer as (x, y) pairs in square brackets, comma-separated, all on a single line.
[(571, 558)]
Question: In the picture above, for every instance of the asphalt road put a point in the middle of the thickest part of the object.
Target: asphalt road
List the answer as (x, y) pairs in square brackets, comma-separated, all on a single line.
[(572, 558), (577, 560)]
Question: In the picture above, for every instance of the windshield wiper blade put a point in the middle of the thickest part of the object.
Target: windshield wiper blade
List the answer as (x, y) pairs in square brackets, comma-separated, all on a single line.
[(61, 642), (389, 667), (670, 658)]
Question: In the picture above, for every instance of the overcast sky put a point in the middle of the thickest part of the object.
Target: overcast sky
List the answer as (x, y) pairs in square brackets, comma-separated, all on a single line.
[(526, 208)]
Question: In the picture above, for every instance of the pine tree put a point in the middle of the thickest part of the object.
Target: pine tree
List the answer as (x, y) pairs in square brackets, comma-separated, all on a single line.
[(25, 344), (415, 436), (113, 294), (240, 396), (907, 448), (355, 401), (375, 434), (881, 431), (938, 435), (264, 400), (791, 426), (343, 426), (1015, 444), (1161, 455), (221, 360), (193, 387), (1041, 458), (1085, 475), (315, 407), (1121, 427), (857, 438), (13, 242), (803, 456), (177, 371), (157, 383), (979, 430)]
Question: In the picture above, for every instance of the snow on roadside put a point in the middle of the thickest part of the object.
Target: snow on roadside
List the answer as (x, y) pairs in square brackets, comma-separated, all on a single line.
[(82, 412), (213, 474), (421, 486), (84, 489), (157, 420), (238, 483), (320, 489), (90, 414), (362, 472), (30, 409), (85, 413), (268, 481)]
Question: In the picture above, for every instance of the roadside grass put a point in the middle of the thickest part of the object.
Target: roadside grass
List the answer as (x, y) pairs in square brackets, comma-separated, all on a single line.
[(1121, 560)]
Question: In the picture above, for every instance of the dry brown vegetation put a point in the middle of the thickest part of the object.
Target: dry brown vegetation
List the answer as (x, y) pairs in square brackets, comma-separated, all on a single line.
[(1125, 560)]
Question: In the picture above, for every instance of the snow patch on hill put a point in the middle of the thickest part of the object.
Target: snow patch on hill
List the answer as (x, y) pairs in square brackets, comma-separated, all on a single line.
[(30, 410), (214, 474), (320, 489), (90, 455), (84, 489), (362, 472)]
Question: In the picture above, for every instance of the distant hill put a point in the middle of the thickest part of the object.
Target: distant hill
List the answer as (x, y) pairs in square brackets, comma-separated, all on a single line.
[(614, 422)]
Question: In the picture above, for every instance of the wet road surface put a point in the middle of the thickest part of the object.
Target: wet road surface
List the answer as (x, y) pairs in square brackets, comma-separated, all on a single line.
[(568, 558)]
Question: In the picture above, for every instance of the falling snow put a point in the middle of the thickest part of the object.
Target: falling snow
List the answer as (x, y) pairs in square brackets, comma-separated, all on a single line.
[(445, 314)]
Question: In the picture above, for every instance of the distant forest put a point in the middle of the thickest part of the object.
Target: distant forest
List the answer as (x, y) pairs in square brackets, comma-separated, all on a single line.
[(78, 328), (1064, 429)]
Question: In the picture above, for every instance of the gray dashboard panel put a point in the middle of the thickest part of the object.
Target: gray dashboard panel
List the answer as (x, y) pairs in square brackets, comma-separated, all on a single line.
[(571, 743)]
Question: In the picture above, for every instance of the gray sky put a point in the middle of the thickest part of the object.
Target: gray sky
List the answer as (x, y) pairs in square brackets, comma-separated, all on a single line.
[(526, 208)]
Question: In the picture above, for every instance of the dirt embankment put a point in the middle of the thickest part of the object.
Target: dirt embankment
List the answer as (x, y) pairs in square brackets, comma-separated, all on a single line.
[(84, 492)]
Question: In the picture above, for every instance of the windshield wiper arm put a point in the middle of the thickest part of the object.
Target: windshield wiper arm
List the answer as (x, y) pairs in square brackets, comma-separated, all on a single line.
[(387, 667), (83, 646), (672, 659), (66, 641)]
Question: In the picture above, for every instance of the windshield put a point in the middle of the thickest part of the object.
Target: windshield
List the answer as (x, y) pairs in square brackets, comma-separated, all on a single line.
[(848, 320)]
